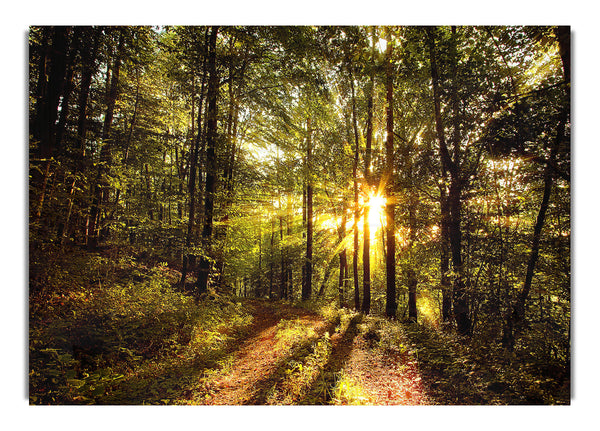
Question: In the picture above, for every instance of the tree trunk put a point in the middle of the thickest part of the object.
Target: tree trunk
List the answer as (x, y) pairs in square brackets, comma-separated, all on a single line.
[(390, 257), (284, 271), (411, 274), (68, 86), (107, 133), (89, 68), (460, 297), (258, 292), (445, 257), (366, 305), (343, 275), (51, 89), (271, 259), (101, 188), (48, 108), (356, 209), (211, 164), (194, 155), (307, 285)]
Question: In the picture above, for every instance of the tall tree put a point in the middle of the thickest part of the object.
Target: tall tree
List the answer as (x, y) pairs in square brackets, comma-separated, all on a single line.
[(366, 305), (189, 257), (390, 257), (356, 207), (308, 272), (211, 163), (515, 319), (101, 185), (452, 166)]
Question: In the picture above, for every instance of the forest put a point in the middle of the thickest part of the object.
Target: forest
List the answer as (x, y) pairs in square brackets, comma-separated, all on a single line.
[(286, 215)]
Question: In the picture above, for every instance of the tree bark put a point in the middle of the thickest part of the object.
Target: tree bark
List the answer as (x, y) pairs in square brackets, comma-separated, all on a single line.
[(356, 209), (194, 155), (343, 274), (460, 297), (390, 257), (307, 285), (366, 305), (211, 164)]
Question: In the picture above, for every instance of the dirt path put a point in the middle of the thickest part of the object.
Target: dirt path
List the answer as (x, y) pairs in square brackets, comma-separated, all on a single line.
[(256, 358), (267, 368), (385, 378)]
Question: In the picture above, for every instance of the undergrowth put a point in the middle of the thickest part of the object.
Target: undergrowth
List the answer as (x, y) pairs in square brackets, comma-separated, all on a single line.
[(115, 331)]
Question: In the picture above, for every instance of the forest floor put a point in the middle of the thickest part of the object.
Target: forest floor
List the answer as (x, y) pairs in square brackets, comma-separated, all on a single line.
[(271, 367), (124, 333)]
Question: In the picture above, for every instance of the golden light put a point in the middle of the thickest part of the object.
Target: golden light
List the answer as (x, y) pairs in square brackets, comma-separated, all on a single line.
[(376, 204)]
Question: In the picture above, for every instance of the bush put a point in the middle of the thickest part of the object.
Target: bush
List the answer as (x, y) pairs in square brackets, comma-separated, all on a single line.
[(86, 338)]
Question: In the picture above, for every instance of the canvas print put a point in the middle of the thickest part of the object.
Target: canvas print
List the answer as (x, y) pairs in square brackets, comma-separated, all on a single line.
[(299, 215)]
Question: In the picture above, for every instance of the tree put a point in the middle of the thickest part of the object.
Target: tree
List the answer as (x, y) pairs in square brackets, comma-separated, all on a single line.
[(366, 304), (390, 260), (562, 35), (211, 163)]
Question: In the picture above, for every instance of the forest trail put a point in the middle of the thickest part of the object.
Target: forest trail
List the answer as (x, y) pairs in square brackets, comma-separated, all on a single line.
[(257, 355), (288, 357)]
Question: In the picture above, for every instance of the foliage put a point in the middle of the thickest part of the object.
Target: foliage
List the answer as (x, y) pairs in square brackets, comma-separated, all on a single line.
[(98, 344)]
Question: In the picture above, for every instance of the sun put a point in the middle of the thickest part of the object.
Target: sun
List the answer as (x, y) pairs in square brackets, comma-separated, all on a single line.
[(376, 204)]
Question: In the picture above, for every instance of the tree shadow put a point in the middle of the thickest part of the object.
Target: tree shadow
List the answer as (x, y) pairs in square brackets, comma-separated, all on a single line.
[(321, 390), (297, 353)]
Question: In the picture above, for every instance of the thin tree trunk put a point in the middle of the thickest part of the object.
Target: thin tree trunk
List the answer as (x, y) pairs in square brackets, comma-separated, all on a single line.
[(445, 257), (271, 259), (356, 209), (101, 188), (366, 305), (211, 164), (307, 286), (194, 155), (325, 278), (289, 277), (411, 274), (390, 257), (343, 275), (284, 272), (258, 292), (89, 67)]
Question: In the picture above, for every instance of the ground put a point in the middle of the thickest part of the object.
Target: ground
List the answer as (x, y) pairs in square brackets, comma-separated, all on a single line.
[(266, 371), (142, 340)]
